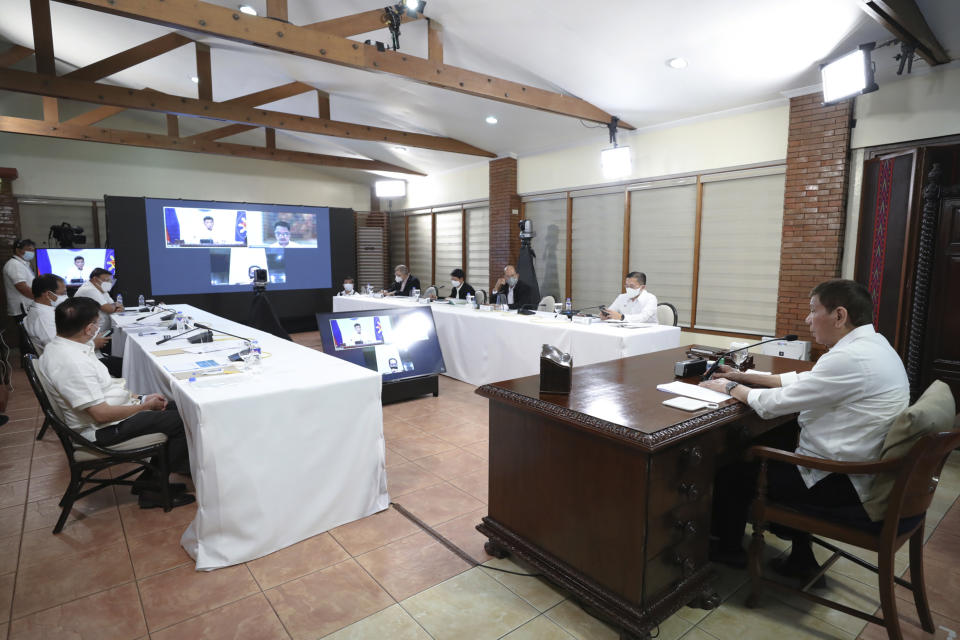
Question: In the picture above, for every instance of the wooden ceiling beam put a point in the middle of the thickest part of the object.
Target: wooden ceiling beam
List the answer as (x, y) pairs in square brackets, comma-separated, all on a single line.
[(173, 126), (307, 42), (267, 96), (270, 138), (157, 141), (51, 109), (905, 21), (94, 116), (434, 42), (42, 36), (277, 9), (204, 73), (222, 132), (354, 25), (131, 57), (150, 100), (13, 55), (323, 104)]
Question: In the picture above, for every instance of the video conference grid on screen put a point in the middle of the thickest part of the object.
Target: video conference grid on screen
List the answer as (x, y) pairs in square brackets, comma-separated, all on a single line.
[(75, 265), (397, 343), (213, 247)]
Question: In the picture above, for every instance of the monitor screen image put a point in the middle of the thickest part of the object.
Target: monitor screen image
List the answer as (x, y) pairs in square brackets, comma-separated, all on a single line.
[(197, 247), (398, 343), (75, 265)]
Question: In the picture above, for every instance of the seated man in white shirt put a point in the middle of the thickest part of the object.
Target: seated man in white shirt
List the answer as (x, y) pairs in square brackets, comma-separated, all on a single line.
[(637, 304), (99, 407), (49, 290), (348, 288), (97, 288), (847, 403)]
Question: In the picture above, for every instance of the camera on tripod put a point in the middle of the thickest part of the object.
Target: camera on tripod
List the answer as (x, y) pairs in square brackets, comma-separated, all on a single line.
[(67, 235), (260, 280), (526, 233)]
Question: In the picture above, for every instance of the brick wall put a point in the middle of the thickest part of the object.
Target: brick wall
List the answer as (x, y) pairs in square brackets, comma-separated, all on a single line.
[(815, 195), (504, 234), (9, 221)]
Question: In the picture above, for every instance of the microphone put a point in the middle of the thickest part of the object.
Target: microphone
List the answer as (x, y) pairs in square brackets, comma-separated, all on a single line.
[(527, 310), (169, 338), (200, 325), (574, 312), (172, 314), (790, 337)]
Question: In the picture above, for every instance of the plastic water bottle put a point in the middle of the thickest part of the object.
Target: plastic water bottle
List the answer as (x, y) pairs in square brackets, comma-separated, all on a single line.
[(120, 299), (141, 301), (255, 359), (180, 322), (568, 306)]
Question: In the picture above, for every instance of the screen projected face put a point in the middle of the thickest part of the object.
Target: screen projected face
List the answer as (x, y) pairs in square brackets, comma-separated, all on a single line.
[(397, 343), (213, 247), (75, 265)]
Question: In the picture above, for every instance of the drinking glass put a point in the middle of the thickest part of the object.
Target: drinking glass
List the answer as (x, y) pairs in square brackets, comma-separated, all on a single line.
[(739, 357), (557, 307), (245, 351)]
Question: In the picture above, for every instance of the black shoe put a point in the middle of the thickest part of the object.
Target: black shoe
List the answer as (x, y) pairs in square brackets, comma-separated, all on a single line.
[(151, 487), (153, 500), (734, 557), (4, 419), (798, 572)]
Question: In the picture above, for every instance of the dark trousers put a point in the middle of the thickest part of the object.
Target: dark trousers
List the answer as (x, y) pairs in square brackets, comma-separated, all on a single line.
[(167, 422), (736, 487), (114, 365)]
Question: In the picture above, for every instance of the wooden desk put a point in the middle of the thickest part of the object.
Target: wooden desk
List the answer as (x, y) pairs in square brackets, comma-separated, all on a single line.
[(608, 492)]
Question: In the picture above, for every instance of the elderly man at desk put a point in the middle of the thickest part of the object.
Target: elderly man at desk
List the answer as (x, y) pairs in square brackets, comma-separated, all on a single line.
[(846, 406)]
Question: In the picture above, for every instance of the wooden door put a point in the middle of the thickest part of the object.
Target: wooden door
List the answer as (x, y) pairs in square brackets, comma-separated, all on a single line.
[(942, 342)]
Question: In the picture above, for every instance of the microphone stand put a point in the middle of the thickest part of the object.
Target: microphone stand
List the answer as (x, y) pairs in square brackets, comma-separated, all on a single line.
[(168, 339), (154, 314), (209, 328), (719, 361)]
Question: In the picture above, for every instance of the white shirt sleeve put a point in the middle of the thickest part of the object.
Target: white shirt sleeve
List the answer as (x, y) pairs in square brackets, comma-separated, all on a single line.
[(648, 309), (40, 327), (830, 383), (79, 387)]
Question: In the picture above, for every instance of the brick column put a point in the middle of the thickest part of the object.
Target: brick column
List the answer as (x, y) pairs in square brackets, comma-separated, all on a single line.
[(818, 149), (504, 234), (9, 221)]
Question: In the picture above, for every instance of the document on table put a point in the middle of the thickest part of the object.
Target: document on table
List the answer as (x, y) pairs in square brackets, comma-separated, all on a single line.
[(195, 365), (693, 391)]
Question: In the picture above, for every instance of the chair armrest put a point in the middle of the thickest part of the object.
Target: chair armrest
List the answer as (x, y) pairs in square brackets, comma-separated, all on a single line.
[(830, 466)]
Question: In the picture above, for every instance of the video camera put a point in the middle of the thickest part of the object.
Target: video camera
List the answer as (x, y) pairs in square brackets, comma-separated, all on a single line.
[(67, 235)]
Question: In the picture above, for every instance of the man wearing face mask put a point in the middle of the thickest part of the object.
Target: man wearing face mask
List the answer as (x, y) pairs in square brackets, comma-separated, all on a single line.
[(459, 287), (403, 282), (348, 289), (517, 293), (637, 304), (49, 290), (97, 288), (99, 407)]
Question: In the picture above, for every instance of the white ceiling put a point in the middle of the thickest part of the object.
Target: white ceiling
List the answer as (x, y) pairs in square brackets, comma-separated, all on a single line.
[(611, 53)]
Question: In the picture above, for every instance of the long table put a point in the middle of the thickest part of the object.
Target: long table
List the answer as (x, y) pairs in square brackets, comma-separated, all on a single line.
[(480, 347), (607, 492), (277, 456)]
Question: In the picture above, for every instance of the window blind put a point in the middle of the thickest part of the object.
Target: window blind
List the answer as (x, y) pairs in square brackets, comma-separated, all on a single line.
[(449, 247), (478, 248), (398, 242), (662, 230), (597, 249), (740, 254), (549, 219), (421, 248)]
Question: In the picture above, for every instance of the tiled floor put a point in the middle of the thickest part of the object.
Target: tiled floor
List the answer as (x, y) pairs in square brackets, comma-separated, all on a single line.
[(117, 572)]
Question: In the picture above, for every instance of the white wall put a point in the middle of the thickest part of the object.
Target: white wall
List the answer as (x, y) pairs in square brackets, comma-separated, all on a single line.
[(911, 108), (76, 169), (458, 185)]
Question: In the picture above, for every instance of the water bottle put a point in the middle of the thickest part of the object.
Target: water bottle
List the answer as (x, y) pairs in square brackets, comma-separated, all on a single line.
[(141, 301), (180, 321), (255, 359), (120, 299), (568, 306), (369, 289)]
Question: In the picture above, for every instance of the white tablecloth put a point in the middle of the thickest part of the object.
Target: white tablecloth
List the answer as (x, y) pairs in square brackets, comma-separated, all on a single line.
[(480, 347), (276, 457)]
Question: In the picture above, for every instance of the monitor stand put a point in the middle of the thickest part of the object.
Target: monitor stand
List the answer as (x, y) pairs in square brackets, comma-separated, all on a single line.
[(408, 389)]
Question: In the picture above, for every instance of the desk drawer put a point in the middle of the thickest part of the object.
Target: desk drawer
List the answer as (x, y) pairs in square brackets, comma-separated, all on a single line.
[(671, 566), (682, 475), (685, 522)]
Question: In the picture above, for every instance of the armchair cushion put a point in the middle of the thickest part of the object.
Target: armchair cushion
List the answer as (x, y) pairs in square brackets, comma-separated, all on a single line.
[(83, 454), (934, 411)]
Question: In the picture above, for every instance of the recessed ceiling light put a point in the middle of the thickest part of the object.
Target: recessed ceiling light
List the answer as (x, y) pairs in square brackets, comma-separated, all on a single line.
[(677, 63), (247, 9), (194, 79), (492, 120)]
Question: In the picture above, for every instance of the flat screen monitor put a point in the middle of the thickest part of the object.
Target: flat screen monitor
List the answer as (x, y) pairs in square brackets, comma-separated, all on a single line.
[(398, 343), (215, 247), (75, 265)]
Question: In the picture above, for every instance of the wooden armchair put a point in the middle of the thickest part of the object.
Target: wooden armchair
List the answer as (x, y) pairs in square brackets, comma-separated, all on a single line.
[(917, 475)]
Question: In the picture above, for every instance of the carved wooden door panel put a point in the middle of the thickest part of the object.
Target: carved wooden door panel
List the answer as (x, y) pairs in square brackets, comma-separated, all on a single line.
[(942, 341)]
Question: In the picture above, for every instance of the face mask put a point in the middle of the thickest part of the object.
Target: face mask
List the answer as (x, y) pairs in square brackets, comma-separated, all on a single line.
[(398, 279), (348, 287), (513, 281), (95, 334), (106, 286), (28, 255), (633, 293), (454, 284), (57, 300)]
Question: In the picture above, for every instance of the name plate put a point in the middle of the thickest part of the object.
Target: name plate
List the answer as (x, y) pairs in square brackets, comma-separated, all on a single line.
[(584, 320), (486, 307)]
